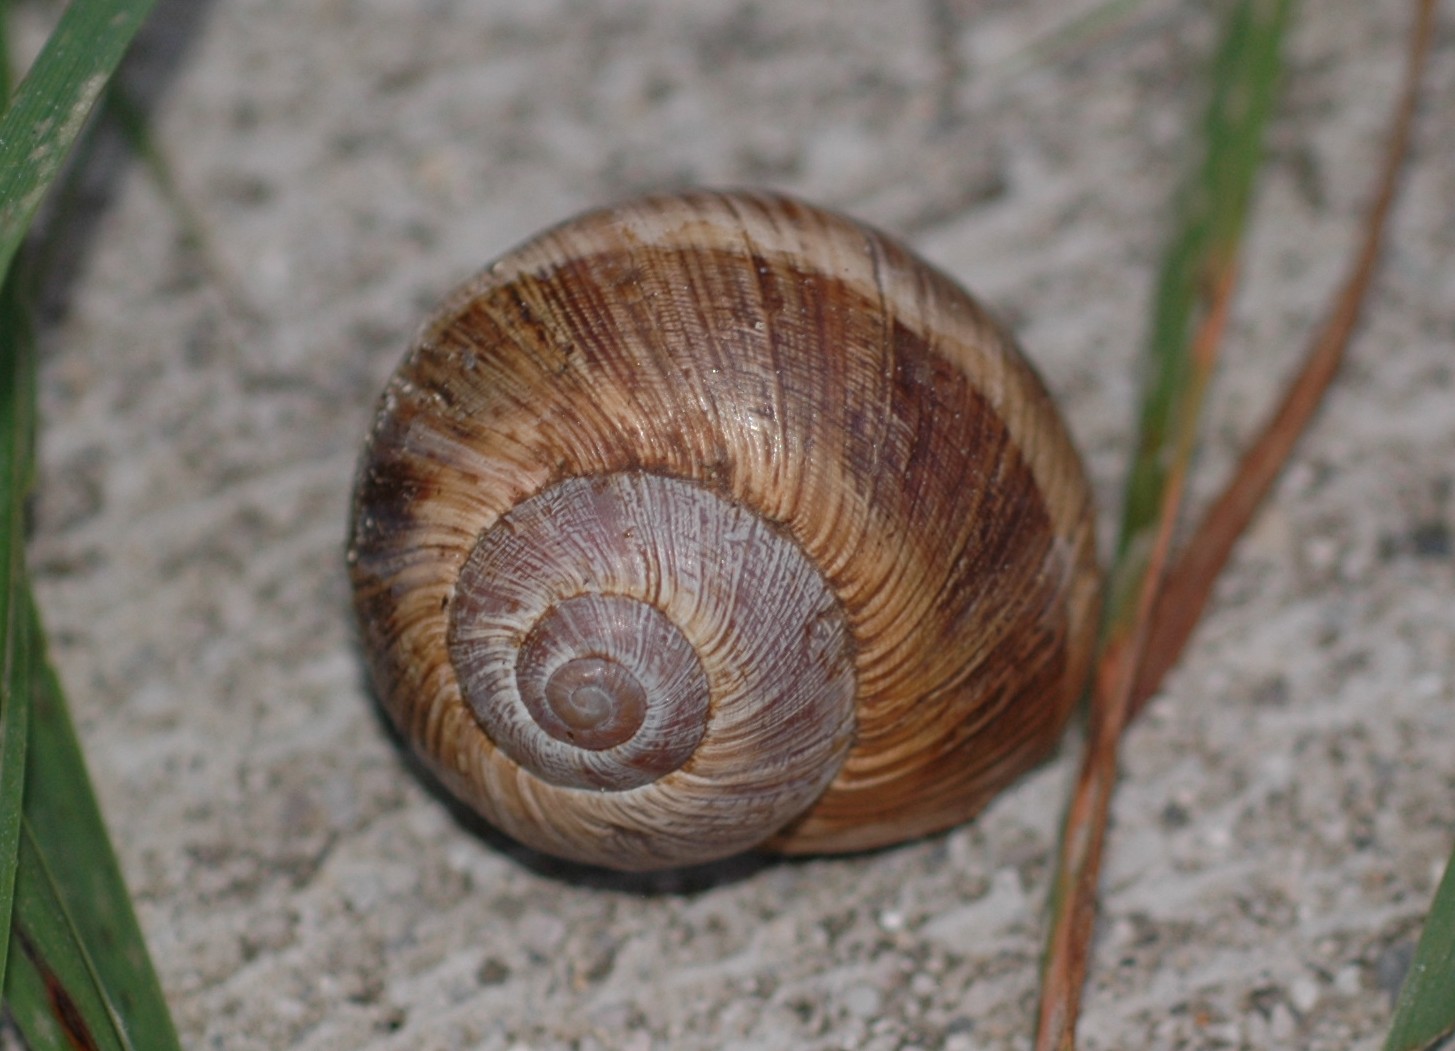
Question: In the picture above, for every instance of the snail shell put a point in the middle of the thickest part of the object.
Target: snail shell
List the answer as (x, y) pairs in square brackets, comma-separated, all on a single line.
[(716, 521)]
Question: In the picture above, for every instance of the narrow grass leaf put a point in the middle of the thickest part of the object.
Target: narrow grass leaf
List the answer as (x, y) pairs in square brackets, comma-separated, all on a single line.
[(6, 79), (61, 811), (1190, 313), (1212, 210), (52, 104), (17, 407), (131, 119), (1081, 30), (14, 729), (1189, 582), (52, 991), (79, 974), (1425, 1010)]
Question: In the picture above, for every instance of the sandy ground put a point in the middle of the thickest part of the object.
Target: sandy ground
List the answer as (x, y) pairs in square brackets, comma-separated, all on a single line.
[(1286, 805)]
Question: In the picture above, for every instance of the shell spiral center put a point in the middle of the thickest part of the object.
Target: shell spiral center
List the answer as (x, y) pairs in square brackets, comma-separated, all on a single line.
[(593, 702)]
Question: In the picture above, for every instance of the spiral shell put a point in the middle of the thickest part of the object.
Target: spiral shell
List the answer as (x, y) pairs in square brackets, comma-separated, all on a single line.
[(716, 521)]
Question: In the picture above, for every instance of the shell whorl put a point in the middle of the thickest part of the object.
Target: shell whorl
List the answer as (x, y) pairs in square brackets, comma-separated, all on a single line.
[(879, 591), (657, 598)]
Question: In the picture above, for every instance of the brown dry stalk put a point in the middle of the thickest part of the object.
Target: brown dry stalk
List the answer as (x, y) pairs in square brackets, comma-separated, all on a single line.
[(1168, 608), (1068, 950), (1190, 581)]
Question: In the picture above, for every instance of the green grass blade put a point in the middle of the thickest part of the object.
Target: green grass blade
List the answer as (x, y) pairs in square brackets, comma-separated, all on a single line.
[(17, 426), (6, 80), (79, 974), (1188, 583), (52, 990), (1213, 210), (17, 406), (1191, 307), (1425, 1011), (1083, 28), (52, 103), (14, 730), (61, 811), (76, 960)]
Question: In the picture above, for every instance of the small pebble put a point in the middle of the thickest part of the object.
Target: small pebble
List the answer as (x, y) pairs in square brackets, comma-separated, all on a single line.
[(863, 1001), (1303, 994), (1281, 1024)]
